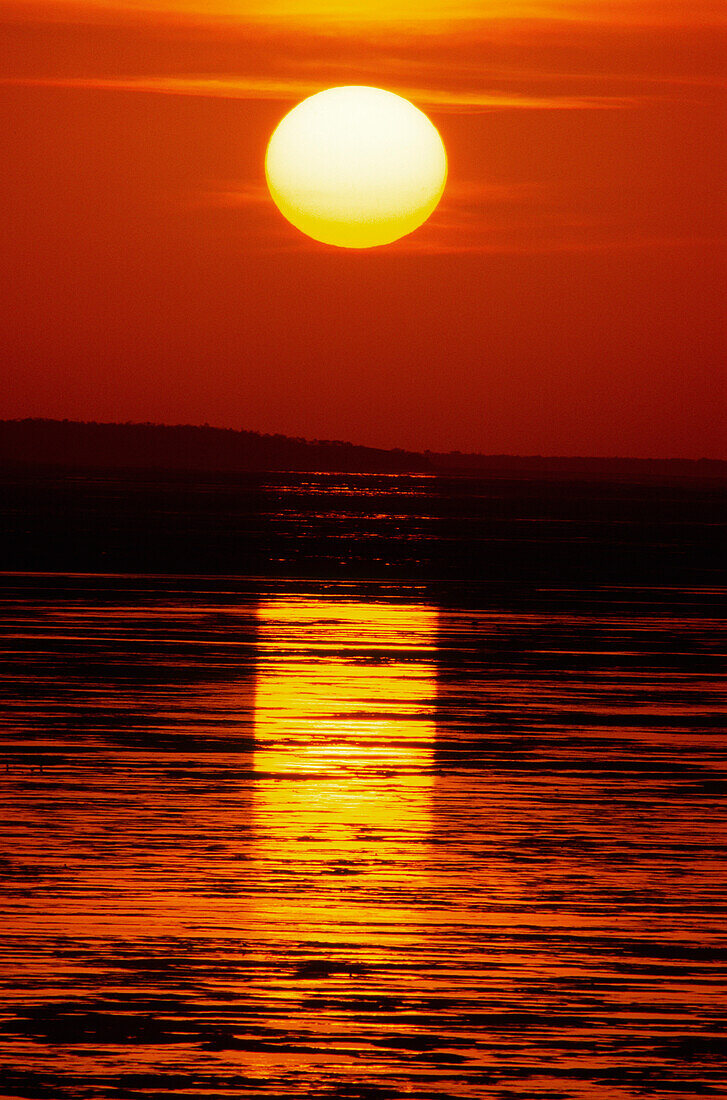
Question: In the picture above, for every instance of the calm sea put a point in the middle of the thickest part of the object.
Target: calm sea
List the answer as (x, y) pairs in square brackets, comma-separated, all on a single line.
[(363, 840)]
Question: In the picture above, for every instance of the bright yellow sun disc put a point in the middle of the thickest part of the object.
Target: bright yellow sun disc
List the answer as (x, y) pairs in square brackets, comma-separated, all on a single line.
[(356, 167)]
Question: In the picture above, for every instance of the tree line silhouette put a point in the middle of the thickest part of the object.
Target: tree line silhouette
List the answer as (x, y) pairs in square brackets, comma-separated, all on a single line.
[(205, 449)]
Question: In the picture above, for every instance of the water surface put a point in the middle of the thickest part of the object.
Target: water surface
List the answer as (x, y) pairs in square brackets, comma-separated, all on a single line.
[(357, 840)]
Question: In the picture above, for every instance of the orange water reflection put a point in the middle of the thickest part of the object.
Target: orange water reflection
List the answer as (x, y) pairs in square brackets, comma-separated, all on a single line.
[(236, 874), (344, 742)]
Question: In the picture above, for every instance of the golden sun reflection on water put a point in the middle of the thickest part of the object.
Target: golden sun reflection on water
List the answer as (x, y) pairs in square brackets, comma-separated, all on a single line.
[(329, 908), (344, 741)]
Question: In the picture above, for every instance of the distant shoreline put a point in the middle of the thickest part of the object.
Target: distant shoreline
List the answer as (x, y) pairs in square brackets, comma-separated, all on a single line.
[(133, 449)]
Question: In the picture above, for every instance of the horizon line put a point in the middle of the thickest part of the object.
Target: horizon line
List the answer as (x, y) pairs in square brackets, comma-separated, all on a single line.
[(423, 453)]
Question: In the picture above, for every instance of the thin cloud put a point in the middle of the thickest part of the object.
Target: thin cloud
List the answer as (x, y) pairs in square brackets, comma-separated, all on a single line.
[(528, 65), (434, 242), (474, 218), (407, 16), (233, 195), (261, 88)]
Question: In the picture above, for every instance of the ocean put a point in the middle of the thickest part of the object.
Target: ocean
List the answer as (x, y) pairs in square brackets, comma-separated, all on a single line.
[(425, 799)]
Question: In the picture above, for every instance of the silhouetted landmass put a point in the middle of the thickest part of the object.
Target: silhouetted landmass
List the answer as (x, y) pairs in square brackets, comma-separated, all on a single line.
[(74, 444), (127, 498), (186, 448)]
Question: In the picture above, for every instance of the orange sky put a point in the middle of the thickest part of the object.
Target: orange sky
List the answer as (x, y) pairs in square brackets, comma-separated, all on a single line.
[(567, 296)]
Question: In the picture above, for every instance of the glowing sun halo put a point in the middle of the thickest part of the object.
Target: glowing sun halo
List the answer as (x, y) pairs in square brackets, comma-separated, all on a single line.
[(356, 167)]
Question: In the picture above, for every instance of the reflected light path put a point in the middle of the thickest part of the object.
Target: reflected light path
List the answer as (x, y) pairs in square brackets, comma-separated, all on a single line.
[(344, 742), (244, 870)]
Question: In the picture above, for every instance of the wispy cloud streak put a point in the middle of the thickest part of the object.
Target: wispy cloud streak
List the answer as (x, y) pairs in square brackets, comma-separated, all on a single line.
[(260, 88), (407, 16)]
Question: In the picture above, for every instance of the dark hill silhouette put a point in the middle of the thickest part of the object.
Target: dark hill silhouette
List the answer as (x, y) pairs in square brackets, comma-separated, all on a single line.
[(186, 448), (144, 498)]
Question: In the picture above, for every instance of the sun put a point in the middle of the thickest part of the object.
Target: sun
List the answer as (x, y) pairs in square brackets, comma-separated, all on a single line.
[(356, 167)]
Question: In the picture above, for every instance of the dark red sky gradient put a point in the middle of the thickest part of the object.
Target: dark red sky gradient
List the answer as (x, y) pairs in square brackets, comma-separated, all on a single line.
[(567, 297)]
